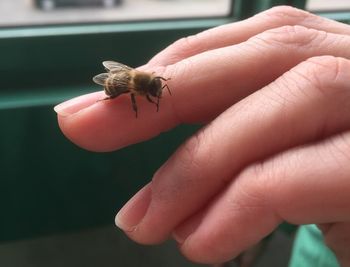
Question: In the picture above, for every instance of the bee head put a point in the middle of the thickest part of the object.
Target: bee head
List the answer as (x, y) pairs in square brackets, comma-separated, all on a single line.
[(155, 87)]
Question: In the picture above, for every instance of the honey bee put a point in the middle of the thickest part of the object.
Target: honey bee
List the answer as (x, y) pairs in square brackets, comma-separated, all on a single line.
[(122, 79)]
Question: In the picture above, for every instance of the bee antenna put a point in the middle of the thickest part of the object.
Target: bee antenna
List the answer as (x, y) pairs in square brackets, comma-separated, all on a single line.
[(162, 78), (167, 87)]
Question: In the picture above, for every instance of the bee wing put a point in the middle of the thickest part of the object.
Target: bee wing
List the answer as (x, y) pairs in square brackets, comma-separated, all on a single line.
[(114, 67), (101, 78)]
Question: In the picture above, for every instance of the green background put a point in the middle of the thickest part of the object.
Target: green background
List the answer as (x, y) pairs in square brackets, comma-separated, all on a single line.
[(48, 185)]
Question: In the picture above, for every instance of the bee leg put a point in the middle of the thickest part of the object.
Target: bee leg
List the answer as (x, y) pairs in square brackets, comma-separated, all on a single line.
[(106, 98), (152, 101), (133, 102), (167, 87), (164, 79)]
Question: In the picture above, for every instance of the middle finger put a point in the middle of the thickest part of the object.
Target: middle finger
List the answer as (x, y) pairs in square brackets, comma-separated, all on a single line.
[(241, 31), (308, 103)]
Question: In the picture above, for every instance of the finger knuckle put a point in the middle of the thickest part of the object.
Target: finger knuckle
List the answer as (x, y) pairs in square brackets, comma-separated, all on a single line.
[(323, 72), (268, 176), (329, 67), (291, 37), (193, 154), (174, 71), (254, 193), (186, 165), (286, 14), (187, 45), (339, 150)]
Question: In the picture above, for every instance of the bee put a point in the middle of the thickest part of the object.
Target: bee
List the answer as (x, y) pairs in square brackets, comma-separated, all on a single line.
[(122, 79)]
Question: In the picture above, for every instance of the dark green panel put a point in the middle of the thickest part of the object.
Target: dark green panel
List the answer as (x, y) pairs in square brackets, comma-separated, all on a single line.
[(71, 55), (49, 185), (58, 61)]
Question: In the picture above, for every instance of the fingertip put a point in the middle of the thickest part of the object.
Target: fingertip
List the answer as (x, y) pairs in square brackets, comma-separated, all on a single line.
[(77, 104), (110, 125), (89, 128)]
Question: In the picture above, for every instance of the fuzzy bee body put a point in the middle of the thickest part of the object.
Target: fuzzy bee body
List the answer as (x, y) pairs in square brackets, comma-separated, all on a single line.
[(122, 79), (117, 83)]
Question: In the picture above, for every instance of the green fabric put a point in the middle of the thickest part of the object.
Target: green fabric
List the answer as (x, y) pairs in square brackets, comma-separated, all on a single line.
[(310, 251)]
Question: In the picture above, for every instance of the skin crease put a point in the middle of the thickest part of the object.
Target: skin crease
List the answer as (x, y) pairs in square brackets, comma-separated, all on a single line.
[(274, 94)]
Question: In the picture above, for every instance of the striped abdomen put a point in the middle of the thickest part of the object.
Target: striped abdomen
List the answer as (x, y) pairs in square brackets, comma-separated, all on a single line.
[(117, 83)]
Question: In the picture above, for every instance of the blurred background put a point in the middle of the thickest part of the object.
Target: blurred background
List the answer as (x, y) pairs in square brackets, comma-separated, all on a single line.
[(43, 12), (20, 12), (58, 201)]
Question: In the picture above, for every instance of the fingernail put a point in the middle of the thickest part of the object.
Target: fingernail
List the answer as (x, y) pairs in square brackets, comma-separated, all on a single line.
[(134, 210), (182, 232), (76, 104)]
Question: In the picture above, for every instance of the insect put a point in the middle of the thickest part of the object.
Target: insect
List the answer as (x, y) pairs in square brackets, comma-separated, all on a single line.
[(122, 79)]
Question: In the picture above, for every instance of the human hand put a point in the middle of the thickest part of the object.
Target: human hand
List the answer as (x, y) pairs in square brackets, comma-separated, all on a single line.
[(274, 91)]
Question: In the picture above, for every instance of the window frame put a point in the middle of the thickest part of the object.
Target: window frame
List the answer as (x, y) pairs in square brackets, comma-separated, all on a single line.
[(43, 65)]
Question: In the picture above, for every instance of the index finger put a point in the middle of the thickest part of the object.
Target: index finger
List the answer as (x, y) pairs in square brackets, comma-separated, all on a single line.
[(203, 86)]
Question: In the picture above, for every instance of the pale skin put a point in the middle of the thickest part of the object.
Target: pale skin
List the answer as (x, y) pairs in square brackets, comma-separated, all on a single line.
[(274, 93)]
